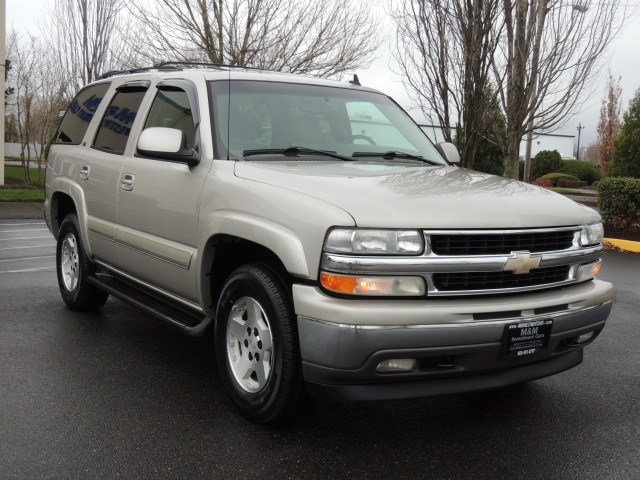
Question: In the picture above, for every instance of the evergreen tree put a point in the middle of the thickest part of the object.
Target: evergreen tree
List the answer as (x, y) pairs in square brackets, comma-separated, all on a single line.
[(626, 148)]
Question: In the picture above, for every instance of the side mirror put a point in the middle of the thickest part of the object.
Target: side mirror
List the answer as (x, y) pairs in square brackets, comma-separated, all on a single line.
[(449, 152), (166, 144)]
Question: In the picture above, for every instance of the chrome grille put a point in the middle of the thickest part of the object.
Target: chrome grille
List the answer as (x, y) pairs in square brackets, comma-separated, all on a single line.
[(500, 243), (446, 282)]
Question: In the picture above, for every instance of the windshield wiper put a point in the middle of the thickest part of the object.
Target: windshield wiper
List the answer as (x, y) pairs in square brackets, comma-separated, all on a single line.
[(393, 154), (293, 152)]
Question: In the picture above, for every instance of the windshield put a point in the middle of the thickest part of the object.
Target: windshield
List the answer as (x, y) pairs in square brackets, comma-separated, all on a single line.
[(277, 116)]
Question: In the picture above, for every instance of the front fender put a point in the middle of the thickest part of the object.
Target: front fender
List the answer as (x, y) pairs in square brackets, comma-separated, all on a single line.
[(277, 238), (290, 224)]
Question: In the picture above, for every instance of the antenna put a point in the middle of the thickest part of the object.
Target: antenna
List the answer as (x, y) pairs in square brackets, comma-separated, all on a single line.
[(355, 80)]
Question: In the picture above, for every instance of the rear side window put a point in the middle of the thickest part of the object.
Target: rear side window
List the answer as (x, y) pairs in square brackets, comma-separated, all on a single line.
[(171, 109), (79, 114), (116, 124)]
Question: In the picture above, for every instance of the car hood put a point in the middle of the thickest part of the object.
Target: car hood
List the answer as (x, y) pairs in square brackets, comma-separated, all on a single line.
[(397, 195)]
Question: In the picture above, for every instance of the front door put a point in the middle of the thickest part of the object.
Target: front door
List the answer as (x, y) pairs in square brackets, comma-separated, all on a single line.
[(159, 201)]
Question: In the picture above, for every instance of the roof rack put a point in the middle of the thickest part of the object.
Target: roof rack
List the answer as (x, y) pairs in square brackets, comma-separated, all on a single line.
[(168, 66)]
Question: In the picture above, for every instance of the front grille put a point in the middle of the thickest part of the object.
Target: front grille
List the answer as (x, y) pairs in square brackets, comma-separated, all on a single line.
[(500, 243), (450, 282)]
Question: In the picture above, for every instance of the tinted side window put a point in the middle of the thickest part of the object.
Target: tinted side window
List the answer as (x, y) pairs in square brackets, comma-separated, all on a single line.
[(116, 124), (79, 114), (171, 109)]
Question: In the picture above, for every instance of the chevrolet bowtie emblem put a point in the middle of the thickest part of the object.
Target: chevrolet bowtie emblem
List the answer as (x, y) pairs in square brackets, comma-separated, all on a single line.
[(521, 262)]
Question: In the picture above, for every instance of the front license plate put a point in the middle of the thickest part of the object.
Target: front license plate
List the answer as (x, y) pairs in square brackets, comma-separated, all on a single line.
[(526, 338)]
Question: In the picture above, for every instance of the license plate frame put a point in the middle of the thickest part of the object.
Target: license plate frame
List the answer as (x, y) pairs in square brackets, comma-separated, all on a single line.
[(527, 337)]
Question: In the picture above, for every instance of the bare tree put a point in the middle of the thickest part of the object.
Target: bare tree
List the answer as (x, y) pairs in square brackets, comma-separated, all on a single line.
[(444, 50), (24, 56), (549, 55), (37, 97), (323, 37), (84, 36), (591, 153), (609, 124)]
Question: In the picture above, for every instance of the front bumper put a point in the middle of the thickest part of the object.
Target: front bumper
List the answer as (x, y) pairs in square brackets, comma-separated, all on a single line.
[(458, 343)]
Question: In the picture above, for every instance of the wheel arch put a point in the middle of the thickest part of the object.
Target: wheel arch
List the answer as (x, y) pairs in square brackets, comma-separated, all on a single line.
[(223, 254), (62, 204)]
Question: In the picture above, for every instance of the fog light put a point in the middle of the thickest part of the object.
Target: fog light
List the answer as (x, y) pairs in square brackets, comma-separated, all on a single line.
[(397, 365), (585, 337)]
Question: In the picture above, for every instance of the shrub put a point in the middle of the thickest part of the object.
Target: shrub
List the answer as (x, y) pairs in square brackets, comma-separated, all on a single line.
[(543, 182), (555, 177), (490, 164), (595, 185), (585, 171), (544, 162), (620, 201), (568, 183)]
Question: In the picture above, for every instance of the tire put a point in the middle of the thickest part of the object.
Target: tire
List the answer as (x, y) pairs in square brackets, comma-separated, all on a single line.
[(256, 345), (74, 267)]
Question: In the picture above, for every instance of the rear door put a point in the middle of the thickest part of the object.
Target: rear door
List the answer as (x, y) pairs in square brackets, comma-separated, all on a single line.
[(101, 168)]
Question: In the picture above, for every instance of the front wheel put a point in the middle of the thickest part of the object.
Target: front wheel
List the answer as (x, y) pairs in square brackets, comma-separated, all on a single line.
[(74, 267), (256, 345)]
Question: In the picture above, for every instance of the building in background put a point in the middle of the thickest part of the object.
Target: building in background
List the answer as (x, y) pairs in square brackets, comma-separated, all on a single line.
[(564, 144)]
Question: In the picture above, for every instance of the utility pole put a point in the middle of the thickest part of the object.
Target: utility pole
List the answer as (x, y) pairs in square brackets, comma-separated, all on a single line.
[(580, 128), (3, 32)]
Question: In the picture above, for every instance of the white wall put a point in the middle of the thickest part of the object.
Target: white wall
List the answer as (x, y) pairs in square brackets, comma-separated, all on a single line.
[(14, 149), (562, 143)]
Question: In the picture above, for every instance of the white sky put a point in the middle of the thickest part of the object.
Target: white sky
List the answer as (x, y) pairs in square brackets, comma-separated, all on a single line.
[(25, 16)]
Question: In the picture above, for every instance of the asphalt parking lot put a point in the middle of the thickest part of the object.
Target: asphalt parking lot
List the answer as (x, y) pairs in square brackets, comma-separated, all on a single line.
[(118, 394)]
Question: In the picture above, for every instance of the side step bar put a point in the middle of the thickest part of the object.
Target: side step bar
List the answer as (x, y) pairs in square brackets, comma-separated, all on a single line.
[(189, 321)]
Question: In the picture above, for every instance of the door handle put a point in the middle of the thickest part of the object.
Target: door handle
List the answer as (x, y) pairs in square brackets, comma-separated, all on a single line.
[(84, 172), (127, 181)]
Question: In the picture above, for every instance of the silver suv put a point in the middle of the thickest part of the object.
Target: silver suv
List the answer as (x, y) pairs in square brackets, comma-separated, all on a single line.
[(313, 229)]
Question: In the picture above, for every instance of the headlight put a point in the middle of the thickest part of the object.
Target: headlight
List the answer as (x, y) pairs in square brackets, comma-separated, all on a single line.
[(592, 234), (374, 242)]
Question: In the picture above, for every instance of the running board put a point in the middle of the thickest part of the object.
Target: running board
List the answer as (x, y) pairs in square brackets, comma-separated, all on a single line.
[(189, 321)]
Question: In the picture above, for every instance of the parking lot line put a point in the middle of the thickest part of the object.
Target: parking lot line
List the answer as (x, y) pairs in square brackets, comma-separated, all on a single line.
[(32, 246), (21, 224), (28, 270), (27, 258), (26, 230), (23, 238)]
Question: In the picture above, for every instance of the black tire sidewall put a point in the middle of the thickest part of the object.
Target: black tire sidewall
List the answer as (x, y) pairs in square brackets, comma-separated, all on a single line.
[(69, 225), (260, 406), (85, 296)]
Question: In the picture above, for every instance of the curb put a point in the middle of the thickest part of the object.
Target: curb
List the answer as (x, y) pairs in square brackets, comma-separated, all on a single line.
[(21, 210), (623, 245)]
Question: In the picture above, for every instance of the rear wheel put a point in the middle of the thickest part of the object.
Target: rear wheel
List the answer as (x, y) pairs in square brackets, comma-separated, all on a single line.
[(74, 267), (256, 345)]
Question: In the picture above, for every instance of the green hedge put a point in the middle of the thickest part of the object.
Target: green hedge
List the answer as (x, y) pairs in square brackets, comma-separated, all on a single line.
[(620, 201), (585, 171), (566, 183), (554, 177), (545, 161)]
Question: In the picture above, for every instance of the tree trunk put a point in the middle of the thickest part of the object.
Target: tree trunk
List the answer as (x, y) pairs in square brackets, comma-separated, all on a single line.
[(513, 154)]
